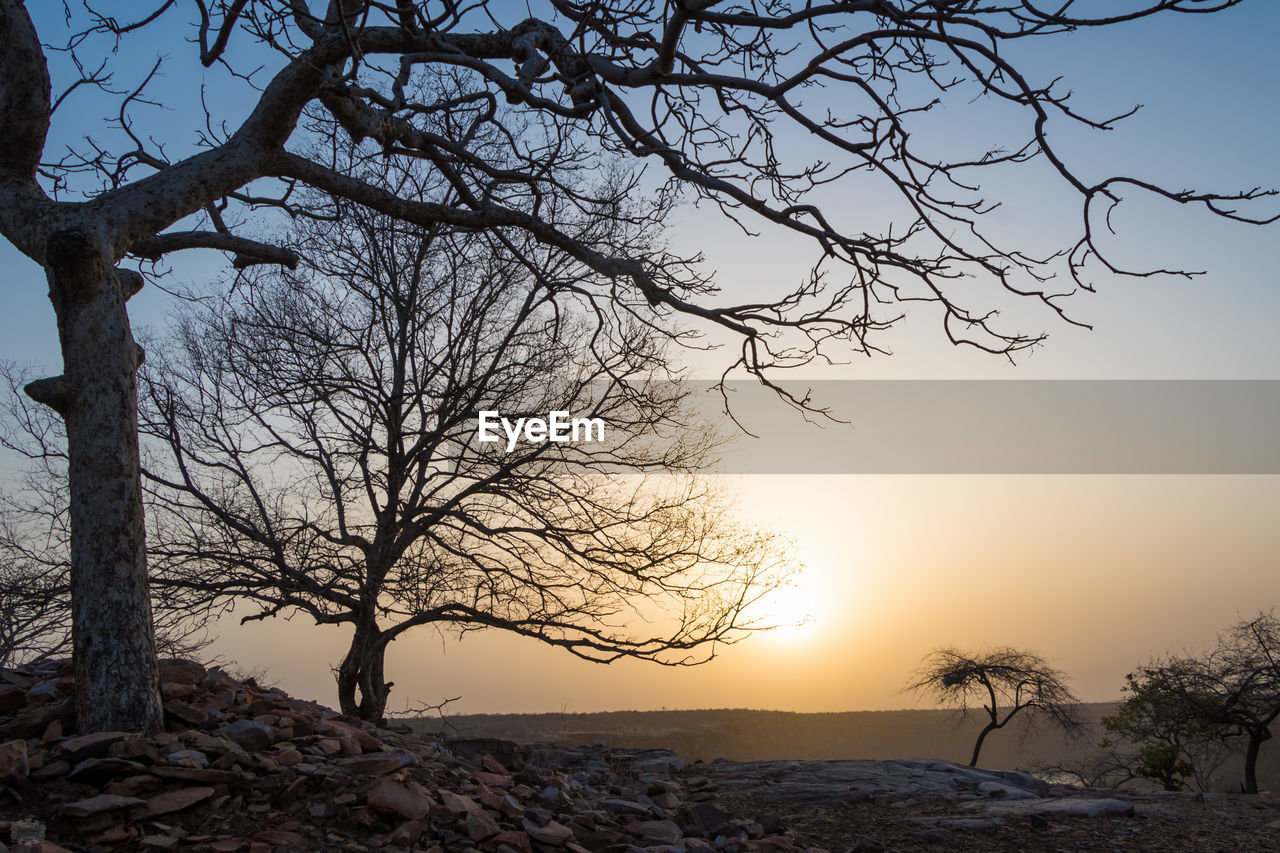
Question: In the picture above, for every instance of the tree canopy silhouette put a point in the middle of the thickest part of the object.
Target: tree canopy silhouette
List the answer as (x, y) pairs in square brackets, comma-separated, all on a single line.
[(317, 451), (1159, 728), (1007, 684), (1228, 694)]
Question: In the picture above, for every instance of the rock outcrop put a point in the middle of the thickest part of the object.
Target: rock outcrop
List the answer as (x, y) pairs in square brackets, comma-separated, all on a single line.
[(960, 797), (242, 768)]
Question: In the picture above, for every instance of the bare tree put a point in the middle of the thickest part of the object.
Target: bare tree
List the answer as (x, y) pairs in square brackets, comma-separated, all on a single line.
[(1005, 683), (1244, 682), (35, 622), (35, 586), (318, 451), (709, 92), (1107, 766)]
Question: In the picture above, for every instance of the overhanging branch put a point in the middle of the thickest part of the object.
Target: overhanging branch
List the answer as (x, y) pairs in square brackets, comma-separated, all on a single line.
[(247, 252)]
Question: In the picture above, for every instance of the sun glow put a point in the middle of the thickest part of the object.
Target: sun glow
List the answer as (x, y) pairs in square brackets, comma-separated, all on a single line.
[(791, 613)]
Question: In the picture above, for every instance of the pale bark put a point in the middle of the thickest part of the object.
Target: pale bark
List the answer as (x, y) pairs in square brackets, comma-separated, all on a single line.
[(112, 637), (117, 683)]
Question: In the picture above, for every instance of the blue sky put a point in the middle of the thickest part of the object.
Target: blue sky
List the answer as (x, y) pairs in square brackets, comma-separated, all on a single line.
[(1210, 120)]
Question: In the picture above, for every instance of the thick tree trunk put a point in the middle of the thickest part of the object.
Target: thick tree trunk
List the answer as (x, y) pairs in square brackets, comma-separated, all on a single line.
[(362, 690), (1251, 759), (117, 683)]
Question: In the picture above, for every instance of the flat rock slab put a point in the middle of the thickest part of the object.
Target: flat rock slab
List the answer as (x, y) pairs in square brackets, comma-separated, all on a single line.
[(100, 805), (96, 770), (197, 774), (376, 763), (953, 822), (1062, 807), (991, 794), (814, 782), (1002, 790), (175, 801), (389, 795), (660, 762), (96, 745), (554, 834)]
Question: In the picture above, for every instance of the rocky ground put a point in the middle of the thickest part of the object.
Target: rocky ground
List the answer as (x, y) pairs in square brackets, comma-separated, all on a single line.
[(871, 806), (241, 768)]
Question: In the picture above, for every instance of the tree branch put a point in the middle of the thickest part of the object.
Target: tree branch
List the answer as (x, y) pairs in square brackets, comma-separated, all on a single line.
[(248, 252)]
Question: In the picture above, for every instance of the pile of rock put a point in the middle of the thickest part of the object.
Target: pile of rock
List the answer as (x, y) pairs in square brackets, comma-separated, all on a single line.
[(242, 768)]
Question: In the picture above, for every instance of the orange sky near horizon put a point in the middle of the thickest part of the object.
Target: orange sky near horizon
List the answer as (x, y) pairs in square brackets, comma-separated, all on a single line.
[(1096, 573)]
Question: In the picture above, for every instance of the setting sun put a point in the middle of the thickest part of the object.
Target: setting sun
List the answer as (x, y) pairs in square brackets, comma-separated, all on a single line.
[(791, 613)]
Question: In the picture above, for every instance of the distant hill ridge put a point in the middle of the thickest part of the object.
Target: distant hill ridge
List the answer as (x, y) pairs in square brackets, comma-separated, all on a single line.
[(752, 735)]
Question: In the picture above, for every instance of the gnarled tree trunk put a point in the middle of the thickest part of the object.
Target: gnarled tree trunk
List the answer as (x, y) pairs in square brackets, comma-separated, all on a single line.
[(361, 673), (117, 683)]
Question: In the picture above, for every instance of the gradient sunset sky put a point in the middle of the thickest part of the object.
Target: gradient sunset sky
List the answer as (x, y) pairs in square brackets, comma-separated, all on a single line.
[(1097, 572)]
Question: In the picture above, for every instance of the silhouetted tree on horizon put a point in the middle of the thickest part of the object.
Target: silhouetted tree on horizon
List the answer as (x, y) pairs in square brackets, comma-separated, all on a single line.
[(1005, 684), (1246, 670), (1162, 722), (1229, 693)]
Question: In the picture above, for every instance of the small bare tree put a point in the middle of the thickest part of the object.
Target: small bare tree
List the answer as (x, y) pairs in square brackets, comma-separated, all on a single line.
[(1005, 683), (35, 622), (317, 450), (1106, 766)]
